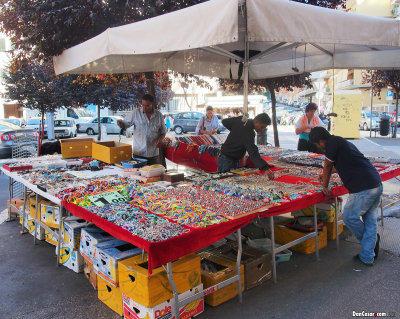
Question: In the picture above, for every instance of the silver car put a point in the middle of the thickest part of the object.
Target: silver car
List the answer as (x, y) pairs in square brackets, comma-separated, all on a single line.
[(10, 135), (92, 127)]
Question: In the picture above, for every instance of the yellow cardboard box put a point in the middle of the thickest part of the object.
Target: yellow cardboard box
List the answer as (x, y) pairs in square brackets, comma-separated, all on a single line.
[(152, 290), (110, 295)]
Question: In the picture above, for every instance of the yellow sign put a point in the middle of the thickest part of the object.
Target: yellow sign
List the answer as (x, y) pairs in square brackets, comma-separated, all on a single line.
[(348, 110)]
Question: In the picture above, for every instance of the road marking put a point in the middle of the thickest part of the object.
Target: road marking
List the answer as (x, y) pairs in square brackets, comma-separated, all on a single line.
[(3, 216), (371, 141)]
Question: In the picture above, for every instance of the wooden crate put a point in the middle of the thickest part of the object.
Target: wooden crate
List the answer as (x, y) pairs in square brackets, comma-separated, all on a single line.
[(284, 235), (152, 290), (331, 229), (226, 269), (78, 147), (110, 152)]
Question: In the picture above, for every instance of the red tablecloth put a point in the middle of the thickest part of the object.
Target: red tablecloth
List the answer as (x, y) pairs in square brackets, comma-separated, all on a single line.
[(169, 250)]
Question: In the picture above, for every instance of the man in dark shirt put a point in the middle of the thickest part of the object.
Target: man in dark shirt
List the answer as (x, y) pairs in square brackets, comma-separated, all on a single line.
[(364, 184), (241, 139)]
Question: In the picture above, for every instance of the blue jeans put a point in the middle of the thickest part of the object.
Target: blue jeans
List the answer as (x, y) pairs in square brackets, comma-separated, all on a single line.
[(364, 204), (225, 163)]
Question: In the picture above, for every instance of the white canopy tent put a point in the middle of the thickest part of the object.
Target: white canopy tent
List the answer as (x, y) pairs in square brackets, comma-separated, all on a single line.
[(270, 38)]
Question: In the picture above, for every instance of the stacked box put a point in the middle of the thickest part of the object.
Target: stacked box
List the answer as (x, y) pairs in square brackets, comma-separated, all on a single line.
[(111, 152), (331, 229), (76, 147), (165, 310), (107, 256), (110, 295), (155, 289), (90, 274), (71, 259), (284, 235), (257, 263), (50, 214), (71, 231), (29, 224), (325, 211), (16, 202), (50, 238), (91, 236), (32, 206), (225, 269)]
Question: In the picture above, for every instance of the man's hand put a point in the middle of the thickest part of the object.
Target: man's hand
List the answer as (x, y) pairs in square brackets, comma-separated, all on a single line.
[(326, 191), (120, 124), (270, 174), (159, 142)]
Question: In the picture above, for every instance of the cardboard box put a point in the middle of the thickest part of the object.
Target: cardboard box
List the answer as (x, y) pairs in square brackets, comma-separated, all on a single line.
[(90, 236), (165, 310), (107, 256), (71, 231), (79, 147), (225, 269), (50, 214), (331, 229), (17, 202), (48, 237), (110, 295), (257, 263), (29, 224), (90, 274), (110, 152), (284, 235), (71, 259), (32, 206), (152, 290), (325, 211)]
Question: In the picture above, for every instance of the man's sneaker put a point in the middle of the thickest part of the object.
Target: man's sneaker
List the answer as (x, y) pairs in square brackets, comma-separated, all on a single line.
[(357, 258), (376, 249)]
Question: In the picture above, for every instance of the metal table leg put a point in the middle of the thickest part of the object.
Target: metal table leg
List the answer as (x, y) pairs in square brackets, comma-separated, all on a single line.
[(316, 233), (23, 212), (174, 290), (59, 239), (36, 215), (238, 261), (271, 223)]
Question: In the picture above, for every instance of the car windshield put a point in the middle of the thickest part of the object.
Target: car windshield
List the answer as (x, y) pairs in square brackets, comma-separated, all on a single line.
[(14, 121), (62, 123), (35, 122), (374, 114)]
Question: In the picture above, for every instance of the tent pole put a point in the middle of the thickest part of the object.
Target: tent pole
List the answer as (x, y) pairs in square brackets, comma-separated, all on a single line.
[(246, 67)]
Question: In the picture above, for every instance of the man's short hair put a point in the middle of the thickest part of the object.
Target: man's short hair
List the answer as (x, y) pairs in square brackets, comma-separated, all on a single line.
[(319, 133), (148, 97), (311, 107), (209, 108), (263, 118)]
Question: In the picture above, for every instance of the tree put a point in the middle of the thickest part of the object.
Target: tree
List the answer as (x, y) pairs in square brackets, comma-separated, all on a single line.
[(272, 85), (380, 79)]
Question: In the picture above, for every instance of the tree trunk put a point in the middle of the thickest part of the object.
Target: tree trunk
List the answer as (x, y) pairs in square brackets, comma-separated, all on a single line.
[(99, 123), (273, 112), (396, 119), (150, 87)]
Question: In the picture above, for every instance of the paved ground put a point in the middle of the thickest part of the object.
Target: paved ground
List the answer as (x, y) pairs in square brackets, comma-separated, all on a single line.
[(33, 287)]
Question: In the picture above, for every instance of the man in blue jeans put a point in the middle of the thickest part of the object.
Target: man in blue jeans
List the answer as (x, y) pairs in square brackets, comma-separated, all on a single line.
[(364, 184)]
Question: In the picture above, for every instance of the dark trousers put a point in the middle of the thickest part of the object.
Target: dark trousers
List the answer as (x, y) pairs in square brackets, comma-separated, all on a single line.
[(225, 163), (305, 145)]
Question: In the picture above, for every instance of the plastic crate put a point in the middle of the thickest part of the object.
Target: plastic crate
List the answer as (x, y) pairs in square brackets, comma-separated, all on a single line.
[(140, 162)]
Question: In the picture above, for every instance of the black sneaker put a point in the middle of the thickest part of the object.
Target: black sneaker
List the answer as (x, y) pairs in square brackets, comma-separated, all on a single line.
[(376, 249), (357, 258)]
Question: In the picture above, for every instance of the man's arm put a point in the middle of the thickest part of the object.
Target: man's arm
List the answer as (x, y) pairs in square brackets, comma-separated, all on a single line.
[(128, 121), (255, 157), (163, 132), (228, 123), (326, 175)]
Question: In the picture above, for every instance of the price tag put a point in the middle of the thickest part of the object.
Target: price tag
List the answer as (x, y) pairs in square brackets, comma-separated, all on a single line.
[(108, 198)]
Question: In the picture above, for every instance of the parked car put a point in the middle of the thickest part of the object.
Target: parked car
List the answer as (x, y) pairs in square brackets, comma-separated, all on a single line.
[(187, 122), (65, 127), (365, 121), (9, 133), (17, 121), (34, 123), (92, 127), (393, 118)]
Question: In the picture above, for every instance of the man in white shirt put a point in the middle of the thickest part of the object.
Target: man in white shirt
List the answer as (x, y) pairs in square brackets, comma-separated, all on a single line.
[(149, 130)]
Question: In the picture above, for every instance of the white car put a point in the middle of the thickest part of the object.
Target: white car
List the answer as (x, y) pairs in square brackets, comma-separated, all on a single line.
[(65, 127), (92, 127)]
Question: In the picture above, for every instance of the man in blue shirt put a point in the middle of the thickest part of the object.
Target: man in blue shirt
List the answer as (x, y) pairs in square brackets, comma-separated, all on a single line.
[(364, 184)]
